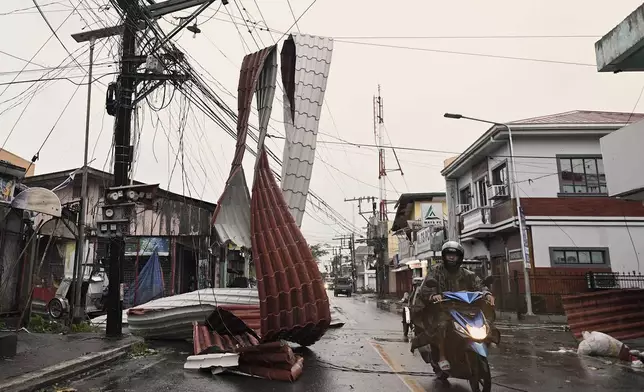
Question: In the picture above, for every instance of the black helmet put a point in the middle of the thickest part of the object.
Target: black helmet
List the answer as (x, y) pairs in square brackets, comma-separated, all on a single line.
[(452, 247)]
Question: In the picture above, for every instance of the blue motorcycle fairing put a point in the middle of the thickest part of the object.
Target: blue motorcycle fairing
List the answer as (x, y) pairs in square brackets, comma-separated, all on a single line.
[(479, 348), (469, 297), (478, 321)]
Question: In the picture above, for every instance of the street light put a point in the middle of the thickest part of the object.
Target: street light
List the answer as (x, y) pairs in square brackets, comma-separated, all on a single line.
[(522, 229)]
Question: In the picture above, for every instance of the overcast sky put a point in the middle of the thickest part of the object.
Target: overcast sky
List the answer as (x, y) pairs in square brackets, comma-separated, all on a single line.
[(418, 86)]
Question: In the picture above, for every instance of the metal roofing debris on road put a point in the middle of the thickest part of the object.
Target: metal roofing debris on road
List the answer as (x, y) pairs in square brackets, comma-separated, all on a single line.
[(273, 360), (306, 61), (618, 313), (172, 317), (293, 302)]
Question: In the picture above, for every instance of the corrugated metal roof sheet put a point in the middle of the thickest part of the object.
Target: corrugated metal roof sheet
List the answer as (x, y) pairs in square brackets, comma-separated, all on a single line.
[(306, 61), (172, 317), (273, 360), (266, 95), (584, 117), (234, 222), (618, 313), (293, 303)]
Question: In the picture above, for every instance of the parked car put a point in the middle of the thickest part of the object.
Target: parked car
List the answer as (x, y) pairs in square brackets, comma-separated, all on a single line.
[(342, 286)]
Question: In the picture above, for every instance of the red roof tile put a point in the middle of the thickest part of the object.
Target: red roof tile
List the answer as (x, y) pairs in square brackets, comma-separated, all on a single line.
[(584, 117), (293, 302)]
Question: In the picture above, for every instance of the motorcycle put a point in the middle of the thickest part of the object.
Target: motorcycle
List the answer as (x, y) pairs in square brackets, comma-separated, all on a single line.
[(467, 341), (408, 326), (94, 288)]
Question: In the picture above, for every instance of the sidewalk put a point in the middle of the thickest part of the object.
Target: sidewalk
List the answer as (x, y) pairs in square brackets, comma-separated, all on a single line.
[(396, 306), (43, 359)]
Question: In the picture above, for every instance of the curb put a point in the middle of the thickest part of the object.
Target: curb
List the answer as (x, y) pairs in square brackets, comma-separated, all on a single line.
[(52, 374)]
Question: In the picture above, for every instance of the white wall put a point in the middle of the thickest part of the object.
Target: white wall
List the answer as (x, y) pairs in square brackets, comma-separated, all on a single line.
[(541, 171), (622, 152), (475, 248), (537, 176), (616, 238)]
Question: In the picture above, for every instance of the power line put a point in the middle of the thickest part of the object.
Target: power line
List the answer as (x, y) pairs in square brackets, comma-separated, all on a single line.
[(372, 37), (45, 69), (293, 14), (466, 53), (344, 142), (21, 59), (20, 10), (68, 78), (43, 45), (297, 19)]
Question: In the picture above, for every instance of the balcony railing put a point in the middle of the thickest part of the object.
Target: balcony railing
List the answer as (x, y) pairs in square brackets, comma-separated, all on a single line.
[(488, 216), (475, 218), (463, 208)]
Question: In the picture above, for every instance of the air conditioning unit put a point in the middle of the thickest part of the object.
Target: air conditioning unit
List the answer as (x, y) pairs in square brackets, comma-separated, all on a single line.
[(498, 192)]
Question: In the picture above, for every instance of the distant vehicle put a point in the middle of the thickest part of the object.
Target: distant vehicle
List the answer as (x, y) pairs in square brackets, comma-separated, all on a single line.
[(342, 286)]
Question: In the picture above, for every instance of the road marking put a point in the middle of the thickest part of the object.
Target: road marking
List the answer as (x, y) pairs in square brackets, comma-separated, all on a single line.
[(393, 365)]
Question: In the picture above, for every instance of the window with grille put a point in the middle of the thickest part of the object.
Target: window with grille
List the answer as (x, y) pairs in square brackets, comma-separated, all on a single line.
[(582, 257), (582, 175)]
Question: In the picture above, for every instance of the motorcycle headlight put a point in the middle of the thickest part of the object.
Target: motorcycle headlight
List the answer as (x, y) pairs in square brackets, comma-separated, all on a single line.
[(477, 333), (460, 329), (326, 285)]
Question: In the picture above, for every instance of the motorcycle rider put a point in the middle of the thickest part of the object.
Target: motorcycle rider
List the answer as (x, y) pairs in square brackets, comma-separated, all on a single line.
[(408, 301), (450, 276)]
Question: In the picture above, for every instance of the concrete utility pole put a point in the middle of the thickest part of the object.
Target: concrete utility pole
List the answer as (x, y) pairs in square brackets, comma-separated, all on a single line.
[(118, 212), (78, 311), (380, 243)]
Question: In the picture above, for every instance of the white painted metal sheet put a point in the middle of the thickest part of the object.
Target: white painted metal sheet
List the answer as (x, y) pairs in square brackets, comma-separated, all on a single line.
[(302, 116)]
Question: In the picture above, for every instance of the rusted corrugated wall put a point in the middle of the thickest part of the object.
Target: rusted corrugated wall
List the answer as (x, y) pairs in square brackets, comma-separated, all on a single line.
[(618, 313)]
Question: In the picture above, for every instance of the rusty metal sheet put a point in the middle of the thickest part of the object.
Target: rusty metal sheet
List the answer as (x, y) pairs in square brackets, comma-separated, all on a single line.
[(618, 313), (293, 302), (306, 61), (273, 360)]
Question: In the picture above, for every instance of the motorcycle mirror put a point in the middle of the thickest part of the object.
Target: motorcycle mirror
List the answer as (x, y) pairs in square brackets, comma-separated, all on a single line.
[(431, 283), (488, 281)]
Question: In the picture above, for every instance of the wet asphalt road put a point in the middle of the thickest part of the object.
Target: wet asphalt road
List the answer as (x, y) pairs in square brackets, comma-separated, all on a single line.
[(366, 354)]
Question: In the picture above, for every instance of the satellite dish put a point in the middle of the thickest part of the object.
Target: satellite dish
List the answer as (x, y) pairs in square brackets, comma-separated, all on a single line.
[(38, 200)]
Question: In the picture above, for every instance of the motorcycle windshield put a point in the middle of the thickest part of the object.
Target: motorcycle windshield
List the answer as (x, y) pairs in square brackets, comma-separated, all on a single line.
[(469, 297)]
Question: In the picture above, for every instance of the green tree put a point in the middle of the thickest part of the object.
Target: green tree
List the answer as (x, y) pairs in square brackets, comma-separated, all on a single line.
[(318, 251)]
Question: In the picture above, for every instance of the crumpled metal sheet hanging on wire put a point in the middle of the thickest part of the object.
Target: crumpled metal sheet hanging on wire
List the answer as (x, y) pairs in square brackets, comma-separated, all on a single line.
[(306, 61), (231, 219)]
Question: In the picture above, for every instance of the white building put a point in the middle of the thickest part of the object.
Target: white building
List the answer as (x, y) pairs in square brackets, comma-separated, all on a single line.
[(572, 222)]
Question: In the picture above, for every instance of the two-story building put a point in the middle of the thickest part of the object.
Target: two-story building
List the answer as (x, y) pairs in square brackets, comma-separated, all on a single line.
[(571, 221), (420, 219)]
